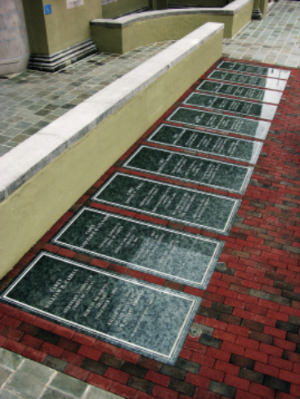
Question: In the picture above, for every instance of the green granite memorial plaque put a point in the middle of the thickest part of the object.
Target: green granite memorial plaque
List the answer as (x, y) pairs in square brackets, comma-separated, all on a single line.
[(138, 316), (254, 70), (179, 204), (209, 143), (262, 111), (266, 96), (204, 171), (216, 121), (266, 83), (185, 258)]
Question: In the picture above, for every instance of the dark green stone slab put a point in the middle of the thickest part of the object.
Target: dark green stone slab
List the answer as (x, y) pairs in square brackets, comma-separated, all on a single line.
[(179, 204), (266, 96), (138, 316), (177, 256), (204, 171), (217, 121), (254, 70), (263, 111), (209, 143), (266, 83)]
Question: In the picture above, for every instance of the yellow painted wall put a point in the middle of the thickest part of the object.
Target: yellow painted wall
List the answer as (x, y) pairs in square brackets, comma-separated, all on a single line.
[(63, 28), (241, 18), (158, 4), (31, 210), (121, 7), (201, 3), (264, 7), (36, 27), (141, 33)]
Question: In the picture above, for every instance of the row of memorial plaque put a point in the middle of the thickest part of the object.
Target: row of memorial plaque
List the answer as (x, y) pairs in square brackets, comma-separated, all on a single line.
[(142, 317)]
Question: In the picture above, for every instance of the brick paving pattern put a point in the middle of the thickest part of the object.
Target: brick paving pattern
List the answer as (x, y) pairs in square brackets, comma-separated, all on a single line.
[(249, 317), (249, 347)]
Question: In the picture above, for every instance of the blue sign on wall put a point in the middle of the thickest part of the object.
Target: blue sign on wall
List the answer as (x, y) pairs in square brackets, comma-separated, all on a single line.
[(47, 8)]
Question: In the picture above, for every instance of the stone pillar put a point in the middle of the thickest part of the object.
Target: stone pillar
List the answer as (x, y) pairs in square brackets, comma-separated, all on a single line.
[(264, 7), (14, 50), (59, 31), (256, 12)]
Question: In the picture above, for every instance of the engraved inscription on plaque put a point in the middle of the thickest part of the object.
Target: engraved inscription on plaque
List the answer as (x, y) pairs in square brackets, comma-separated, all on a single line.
[(217, 121), (204, 171), (263, 111), (266, 96), (138, 316), (179, 204), (209, 143), (266, 83), (146, 247), (254, 70)]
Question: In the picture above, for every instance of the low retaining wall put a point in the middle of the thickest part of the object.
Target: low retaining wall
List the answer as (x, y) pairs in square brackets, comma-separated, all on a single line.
[(43, 177), (135, 30)]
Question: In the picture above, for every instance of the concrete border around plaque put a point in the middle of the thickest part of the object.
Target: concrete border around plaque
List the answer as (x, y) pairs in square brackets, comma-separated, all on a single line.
[(167, 253), (262, 127), (249, 80), (257, 145), (269, 96), (255, 70), (226, 223), (242, 185), (241, 107), (142, 317)]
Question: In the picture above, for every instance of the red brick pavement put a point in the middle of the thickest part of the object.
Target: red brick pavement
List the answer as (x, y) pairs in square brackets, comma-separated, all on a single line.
[(250, 347)]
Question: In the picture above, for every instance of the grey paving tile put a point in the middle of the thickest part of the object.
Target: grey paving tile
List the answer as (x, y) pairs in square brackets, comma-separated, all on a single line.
[(9, 359), (22, 125), (41, 91), (4, 375), (11, 144), (4, 394), (97, 393), (68, 385), (26, 385), (54, 394), (3, 150), (20, 138), (279, 29), (55, 363), (30, 379)]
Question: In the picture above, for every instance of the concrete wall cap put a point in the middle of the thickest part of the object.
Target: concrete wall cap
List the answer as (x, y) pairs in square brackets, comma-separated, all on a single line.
[(27, 159), (127, 20), (123, 22), (24, 161), (236, 5)]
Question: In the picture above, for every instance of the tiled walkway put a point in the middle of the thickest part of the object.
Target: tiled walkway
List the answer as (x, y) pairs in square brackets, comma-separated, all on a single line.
[(249, 317), (22, 378), (33, 99), (275, 40)]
